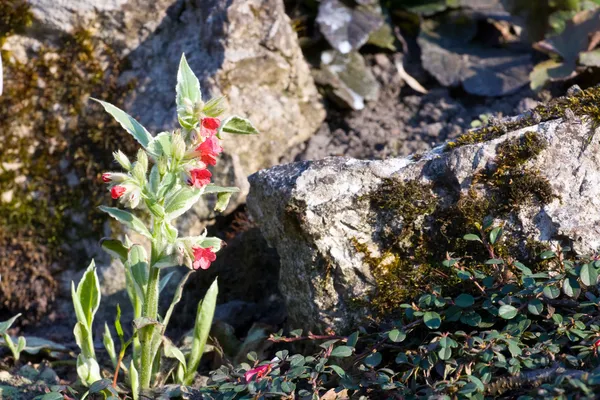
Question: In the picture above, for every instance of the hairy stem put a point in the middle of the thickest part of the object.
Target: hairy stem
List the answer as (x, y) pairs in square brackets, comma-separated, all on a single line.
[(150, 311)]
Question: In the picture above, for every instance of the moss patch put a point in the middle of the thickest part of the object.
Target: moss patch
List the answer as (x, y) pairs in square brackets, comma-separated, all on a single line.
[(55, 148), (584, 104), (419, 231)]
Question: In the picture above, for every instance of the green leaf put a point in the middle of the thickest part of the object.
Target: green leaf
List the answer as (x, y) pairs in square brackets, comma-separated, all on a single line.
[(521, 267), (464, 300), (160, 145), (127, 219), (396, 335), (571, 287), (154, 180), (588, 275), (445, 353), (507, 311), (222, 201), (341, 352), (51, 396), (211, 188), (535, 307), (373, 360), (4, 326), (88, 292), (547, 255), (134, 128), (495, 234), (134, 380), (172, 351), (137, 261), (88, 370), (338, 370), (83, 339), (514, 348), (237, 126), (432, 320), (115, 248), (551, 292), (204, 317), (181, 202), (188, 91), (472, 237), (109, 345)]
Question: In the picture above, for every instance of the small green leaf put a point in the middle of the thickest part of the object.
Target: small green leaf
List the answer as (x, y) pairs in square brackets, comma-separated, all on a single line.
[(397, 335), (238, 126), (432, 320), (88, 292), (551, 292), (535, 307), (548, 254), (211, 188), (4, 326), (588, 275), (172, 351), (128, 123), (373, 360), (127, 219), (525, 270), (338, 370), (222, 201), (513, 348), (445, 353), (115, 248), (495, 234), (464, 300), (341, 351), (571, 287), (472, 237), (134, 380), (188, 94), (160, 145), (507, 311), (109, 345)]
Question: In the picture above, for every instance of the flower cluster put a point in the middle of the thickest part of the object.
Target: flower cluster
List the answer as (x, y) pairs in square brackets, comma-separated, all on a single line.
[(190, 156)]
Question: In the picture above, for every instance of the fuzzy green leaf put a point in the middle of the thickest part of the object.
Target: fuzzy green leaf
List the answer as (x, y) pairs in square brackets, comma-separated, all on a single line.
[(237, 126), (127, 219), (88, 292), (115, 248), (188, 85), (341, 352), (128, 123), (4, 326), (204, 317), (181, 202)]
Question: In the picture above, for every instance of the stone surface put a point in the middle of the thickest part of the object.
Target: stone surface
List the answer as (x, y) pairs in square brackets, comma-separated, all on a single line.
[(314, 213), (244, 50)]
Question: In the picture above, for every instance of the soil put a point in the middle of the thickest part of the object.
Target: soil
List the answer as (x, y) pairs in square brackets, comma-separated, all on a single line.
[(404, 121)]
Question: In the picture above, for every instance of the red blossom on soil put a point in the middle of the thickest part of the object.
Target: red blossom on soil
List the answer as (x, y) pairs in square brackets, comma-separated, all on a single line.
[(259, 372), (203, 257), (199, 178), (117, 191)]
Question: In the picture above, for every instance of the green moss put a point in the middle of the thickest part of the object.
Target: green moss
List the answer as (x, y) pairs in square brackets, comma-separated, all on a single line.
[(15, 16), (584, 104), (419, 231), (52, 170)]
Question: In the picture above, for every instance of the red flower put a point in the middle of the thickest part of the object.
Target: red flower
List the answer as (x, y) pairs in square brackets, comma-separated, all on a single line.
[(597, 343), (259, 371), (199, 178), (209, 150), (117, 191), (106, 177), (211, 123), (203, 257)]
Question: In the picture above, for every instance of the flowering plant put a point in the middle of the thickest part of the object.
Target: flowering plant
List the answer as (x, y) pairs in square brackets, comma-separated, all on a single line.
[(169, 176)]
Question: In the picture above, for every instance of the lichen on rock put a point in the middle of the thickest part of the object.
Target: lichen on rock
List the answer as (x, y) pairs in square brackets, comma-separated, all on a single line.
[(384, 227)]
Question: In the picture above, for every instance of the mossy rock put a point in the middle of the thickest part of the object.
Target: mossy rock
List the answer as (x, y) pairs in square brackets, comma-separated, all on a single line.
[(384, 228)]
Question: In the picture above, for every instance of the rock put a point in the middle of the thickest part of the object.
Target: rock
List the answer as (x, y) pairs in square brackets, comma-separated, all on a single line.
[(353, 236), (244, 50)]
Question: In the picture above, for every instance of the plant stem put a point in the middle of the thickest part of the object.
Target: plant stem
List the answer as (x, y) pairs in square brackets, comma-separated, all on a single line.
[(150, 310)]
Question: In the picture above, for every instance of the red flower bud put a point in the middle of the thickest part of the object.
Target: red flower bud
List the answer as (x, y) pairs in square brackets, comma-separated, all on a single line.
[(106, 177), (117, 191), (211, 123), (597, 343)]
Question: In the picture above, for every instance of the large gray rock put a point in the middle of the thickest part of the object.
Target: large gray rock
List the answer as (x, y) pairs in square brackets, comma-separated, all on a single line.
[(337, 223), (245, 50)]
